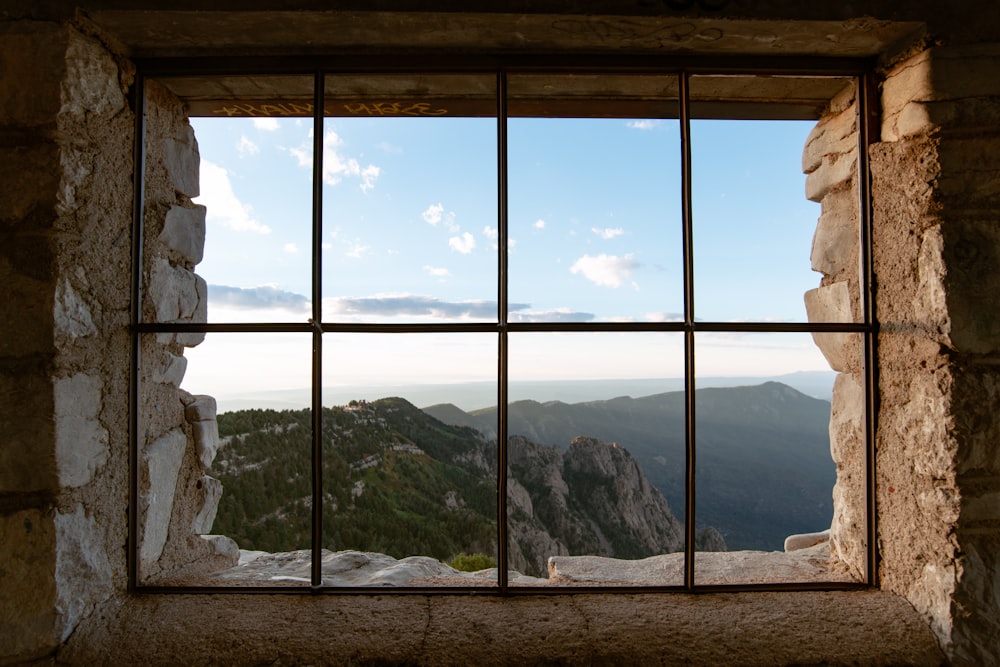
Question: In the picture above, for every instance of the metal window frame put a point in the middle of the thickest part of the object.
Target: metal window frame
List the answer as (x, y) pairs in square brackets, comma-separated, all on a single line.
[(501, 65)]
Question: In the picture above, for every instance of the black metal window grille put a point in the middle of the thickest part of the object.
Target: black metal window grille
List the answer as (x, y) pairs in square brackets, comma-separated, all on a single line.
[(689, 327)]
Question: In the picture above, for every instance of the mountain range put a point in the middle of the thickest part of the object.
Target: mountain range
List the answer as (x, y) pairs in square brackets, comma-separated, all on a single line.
[(762, 453)]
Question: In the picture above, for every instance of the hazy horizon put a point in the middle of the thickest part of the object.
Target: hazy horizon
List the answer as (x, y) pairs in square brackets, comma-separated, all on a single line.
[(469, 396)]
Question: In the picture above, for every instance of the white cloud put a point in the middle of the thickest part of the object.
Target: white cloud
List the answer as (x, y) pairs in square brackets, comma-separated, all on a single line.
[(643, 124), (291, 248), (606, 270), (433, 214), (664, 317), (326, 246), (437, 272), (463, 244), (357, 249), (336, 167), (266, 124), (224, 207), (608, 232), (246, 147), (539, 224)]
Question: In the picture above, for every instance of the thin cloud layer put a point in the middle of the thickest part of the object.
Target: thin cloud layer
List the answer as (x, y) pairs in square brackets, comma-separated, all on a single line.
[(606, 270), (418, 306), (608, 233), (256, 298), (224, 207)]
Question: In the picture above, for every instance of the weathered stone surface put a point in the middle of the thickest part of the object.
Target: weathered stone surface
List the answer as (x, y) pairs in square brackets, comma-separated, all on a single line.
[(46, 42), (223, 549), (832, 303), (848, 531), (197, 316), (171, 369), (83, 571), (352, 568), (90, 86), (184, 232), (27, 454), (971, 283), (209, 490), (711, 567), (72, 315), (977, 597), (834, 172), (806, 540), (835, 134), (183, 161), (200, 413), (836, 241), (27, 577), (200, 408), (162, 465), (81, 439)]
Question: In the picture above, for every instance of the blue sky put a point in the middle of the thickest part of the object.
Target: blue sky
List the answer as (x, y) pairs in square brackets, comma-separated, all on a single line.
[(410, 234)]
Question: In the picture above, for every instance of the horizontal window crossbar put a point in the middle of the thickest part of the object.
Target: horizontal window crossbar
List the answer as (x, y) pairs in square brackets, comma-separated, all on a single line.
[(512, 327)]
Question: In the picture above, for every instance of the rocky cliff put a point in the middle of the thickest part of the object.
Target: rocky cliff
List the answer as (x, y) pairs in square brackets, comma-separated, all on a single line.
[(591, 499)]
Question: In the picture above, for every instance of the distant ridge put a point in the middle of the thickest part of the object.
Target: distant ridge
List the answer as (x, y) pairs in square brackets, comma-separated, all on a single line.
[(477, 395), (763, 461)]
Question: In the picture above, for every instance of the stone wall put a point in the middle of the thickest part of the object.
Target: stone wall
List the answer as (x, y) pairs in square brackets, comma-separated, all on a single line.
[(830, 160), (936, 178), (179, 434), (65, 259), (65, 262)]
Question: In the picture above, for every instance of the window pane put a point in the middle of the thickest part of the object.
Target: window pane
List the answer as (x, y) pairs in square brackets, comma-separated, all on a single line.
[(763, 466), (252, 218), (409, 470), (600, 478), (594, 199), (228, 456), (753, 226), (410, 199)]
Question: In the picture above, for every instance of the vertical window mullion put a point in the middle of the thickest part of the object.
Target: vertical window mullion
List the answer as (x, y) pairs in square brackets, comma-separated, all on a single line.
[(138, 207), (501, 482), (689, 346), (868, 123), (317, 334)]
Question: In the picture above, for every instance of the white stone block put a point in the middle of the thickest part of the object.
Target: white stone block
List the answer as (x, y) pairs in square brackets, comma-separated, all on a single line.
[(91, 86), (832, 134), (224, 546), (183, 162), (200, 408), (209, 491), (835, 242), (805, 540), (834, 171), (171, 370), (206, 441), (83, 570), (184, 232), (198, 315), (162, 460), (72, 315), (81, 440), (832, 304)]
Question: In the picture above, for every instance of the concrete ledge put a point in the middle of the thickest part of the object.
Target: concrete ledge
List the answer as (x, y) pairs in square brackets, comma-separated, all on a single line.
[(828, 628)]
